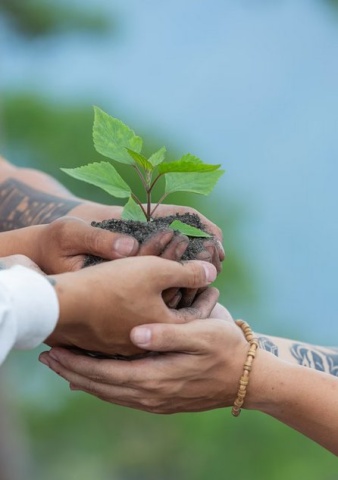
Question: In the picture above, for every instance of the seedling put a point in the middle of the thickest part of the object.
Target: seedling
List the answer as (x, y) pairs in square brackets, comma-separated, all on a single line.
[(115, 140)]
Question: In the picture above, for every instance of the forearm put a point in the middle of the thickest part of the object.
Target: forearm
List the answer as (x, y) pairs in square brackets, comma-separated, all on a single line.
[(324, 359), (302, 398), (29, 197)]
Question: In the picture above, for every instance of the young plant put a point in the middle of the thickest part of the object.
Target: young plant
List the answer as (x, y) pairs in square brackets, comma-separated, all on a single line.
[(115, 140)]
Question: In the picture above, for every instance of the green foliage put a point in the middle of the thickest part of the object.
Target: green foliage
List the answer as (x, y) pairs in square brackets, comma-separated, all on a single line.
[(115, 140), (101, 175), (36, 18), (188, 230)]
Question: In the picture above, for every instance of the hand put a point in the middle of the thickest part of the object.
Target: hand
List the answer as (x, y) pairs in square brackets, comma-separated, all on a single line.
[(62, 245), (94, 211), (162, 244), (100, 305), (198, 369)]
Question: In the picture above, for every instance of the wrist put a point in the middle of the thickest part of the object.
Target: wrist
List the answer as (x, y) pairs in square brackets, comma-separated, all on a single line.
[(23, 241), (90, 211), (266, 383), (73, 311)]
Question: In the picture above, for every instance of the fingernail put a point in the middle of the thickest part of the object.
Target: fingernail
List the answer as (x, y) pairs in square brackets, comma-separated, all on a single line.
[(125, 245), (210, 271), (175, 301), (220, 247), (44, 359), (141, 336)]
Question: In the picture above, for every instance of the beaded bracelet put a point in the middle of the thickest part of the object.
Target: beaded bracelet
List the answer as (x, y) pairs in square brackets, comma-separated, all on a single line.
[(244, 380)]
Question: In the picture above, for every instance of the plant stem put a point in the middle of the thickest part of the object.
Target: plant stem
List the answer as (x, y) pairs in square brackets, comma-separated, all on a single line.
[(155, 180), (158, 203), (148, 205), (139, 173), (138, 201)]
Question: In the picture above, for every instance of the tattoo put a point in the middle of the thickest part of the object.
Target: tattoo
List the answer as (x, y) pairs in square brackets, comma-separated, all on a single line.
[(266, 344), (22, 206), (313, 357)]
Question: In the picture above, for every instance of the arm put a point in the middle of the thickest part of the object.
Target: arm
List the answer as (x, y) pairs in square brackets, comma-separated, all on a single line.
[(30, 197), (202, 372), (323, 359)]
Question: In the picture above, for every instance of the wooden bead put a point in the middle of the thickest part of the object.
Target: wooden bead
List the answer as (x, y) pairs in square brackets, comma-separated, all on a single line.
[(244, 380)]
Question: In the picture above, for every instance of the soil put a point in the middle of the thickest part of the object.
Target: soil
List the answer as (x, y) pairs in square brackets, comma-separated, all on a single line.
[(143, 230)]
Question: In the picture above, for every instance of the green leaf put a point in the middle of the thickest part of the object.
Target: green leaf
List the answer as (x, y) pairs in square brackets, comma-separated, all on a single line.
[(157, 157), (103, 175), (188, 163), (188, 230), (133, 211), (195, 182), (112, 137), (140, 160)]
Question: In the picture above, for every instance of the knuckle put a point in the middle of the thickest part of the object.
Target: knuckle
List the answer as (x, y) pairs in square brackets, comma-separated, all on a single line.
[(196, 276), (152, 404)]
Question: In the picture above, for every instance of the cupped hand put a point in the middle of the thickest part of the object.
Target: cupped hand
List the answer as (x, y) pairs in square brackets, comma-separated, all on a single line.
[(212, 252), (100, 305), (198, 368), (63, 245)]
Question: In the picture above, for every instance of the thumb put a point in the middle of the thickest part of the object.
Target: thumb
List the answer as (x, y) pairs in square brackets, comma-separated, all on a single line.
[(161, 337), (105, 244)]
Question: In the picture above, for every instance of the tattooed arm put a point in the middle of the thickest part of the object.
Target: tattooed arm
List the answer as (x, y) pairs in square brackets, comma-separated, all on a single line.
[(30, 197), (199, 369), (324, 359)]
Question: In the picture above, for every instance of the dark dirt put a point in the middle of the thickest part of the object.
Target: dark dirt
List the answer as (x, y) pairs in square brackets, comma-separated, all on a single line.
[(143, 230)]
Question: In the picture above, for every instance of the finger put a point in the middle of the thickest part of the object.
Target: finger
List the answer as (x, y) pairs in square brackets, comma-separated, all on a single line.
[(156, 243), (188, 296), (172, 297), (176, 248), (72, 366), (192, 274), (200, 308), (102, 243), (109, 389), (192, 337), (211, 248), (220, 250), (221, 312)]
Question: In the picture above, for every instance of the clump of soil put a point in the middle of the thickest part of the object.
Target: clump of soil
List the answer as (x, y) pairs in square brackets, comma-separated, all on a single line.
[(143, 230)]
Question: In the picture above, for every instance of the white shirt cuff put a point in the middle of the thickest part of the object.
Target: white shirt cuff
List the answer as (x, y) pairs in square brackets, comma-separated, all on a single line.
[(29, 309)]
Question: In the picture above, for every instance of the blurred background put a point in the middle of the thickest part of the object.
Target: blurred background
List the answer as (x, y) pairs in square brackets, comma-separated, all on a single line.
[(251, 84)]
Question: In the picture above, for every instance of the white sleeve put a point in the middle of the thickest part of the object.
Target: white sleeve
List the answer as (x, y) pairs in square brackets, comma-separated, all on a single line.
[(29, 309)]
